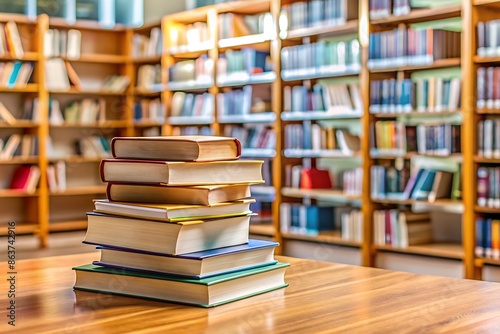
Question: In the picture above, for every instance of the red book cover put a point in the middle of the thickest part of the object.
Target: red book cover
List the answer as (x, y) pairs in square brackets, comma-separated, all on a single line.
[(20, 178), (313, 178)]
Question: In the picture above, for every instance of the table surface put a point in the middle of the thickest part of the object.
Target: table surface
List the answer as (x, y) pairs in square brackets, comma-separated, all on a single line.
[(322, 297)]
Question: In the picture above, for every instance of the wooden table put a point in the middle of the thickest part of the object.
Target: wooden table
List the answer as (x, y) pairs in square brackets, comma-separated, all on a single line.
[(322, 297)]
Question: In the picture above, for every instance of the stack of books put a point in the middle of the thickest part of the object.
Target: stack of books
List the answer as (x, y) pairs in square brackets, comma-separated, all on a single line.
[(175, 224)]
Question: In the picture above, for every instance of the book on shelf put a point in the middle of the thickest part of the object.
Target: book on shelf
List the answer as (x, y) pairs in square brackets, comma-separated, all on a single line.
[(15, 74), (13, 40), (348, 142), (241, 65), (192, 105), (487, 38), (320, 59), (25, 179), (181, 173), (318, 137), (56, 177), (196, 265), (441, 187), (160, 194), (316, 13), (198, 70), (246, 101), (5, 115), (412, 47), (253, 137), (149, 77), (352, 182), (306, 219), (17, 145), (488, 189), (149, 110), (315, 178), (115, 84), (236, 25), (62, 43), (176, 148), (173, 212), (488, 91), (56, 78), (351, 224), (92, 147), (166, 237), (207, 292), (85, 111)]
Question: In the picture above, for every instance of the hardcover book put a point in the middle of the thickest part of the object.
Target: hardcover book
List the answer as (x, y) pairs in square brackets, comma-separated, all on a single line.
[(255, 253), (207, 292)]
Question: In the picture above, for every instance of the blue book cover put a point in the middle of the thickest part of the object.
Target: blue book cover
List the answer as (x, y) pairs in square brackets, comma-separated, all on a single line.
[(11, 83), (424, 185), (320, 218)]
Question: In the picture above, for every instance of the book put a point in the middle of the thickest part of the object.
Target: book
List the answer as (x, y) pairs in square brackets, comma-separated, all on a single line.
[(173, 212), (25, 179), (159, 193), (181, 173), (176, 148), (165, 237), (5, 115), (255, 253), (206, 292), (441, 187)]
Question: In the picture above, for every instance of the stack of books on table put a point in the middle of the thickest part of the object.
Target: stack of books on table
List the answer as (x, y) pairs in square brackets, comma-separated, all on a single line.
[(175, 224)]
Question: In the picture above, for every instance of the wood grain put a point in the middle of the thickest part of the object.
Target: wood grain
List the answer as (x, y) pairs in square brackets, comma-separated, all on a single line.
[(322, 297)]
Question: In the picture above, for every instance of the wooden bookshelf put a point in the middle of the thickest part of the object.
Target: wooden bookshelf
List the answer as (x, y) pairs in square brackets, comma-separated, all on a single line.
[(421, 15)]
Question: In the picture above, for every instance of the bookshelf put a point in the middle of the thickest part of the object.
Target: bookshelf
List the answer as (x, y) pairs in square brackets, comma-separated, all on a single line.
[(192, 41)]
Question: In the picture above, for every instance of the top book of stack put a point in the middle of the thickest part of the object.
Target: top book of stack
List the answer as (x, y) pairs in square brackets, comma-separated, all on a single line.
[(176, 148)]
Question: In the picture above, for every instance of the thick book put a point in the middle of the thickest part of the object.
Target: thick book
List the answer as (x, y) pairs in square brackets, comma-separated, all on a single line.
[(160, 193), (181, 173), (173, 212), (206, 292), (255, 253), (176, 148), (166, 237)]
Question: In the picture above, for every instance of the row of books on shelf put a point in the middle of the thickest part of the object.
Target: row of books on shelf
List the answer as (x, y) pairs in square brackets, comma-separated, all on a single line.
[(396, 138), (149, 110), (314, 219), (401, 229), (407, 46), (10, 40), (488, 138), (190, 37), (235, 25), (352, 182), (488, 187), (380, 9), (320, 58), (85, 111), (15, 74), (56, 177), (86, 147), (255, 137), (487, 238), (189, 105), (432, 94), (200, 69), (263, 211), (488, 87), (298, 176), (488, 39), (192, 131), (62, 43), (423, 184), (221, 250), (147, 46), (19, 145), (244, 101), (331, 98), (317, 13), (240, 65), (316, 137), (149, 78)]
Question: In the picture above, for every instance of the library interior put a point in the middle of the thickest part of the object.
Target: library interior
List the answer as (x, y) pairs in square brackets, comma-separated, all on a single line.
[(271, 153)]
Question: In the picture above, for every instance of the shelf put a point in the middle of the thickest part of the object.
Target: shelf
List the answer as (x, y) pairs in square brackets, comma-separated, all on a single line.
[(29, 88), (147, 124), (350, 27), (9, 193), (59, 22), (242, 78), (396, 154), (191, 51), (441, 63), (83, 190), (494, 3), (484, 209), (20, 161), (318, 115), (303, 153), (258, 153), (488, 111), (313, 73), (327, 237), (28, 56), (421, 15), (262, 229), (443, 204), (416, 114), (485, 59), (190, 120), (484, 160), (20, 229), (98, 59), (235, 42), (147, 60), (18, 18), (321, 194), (264, 117), (98, 125), (68, 226), (442, 250), (20, 123), (74, 91), (190, 85), (480, 262), (76, 159), (147, 93)]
